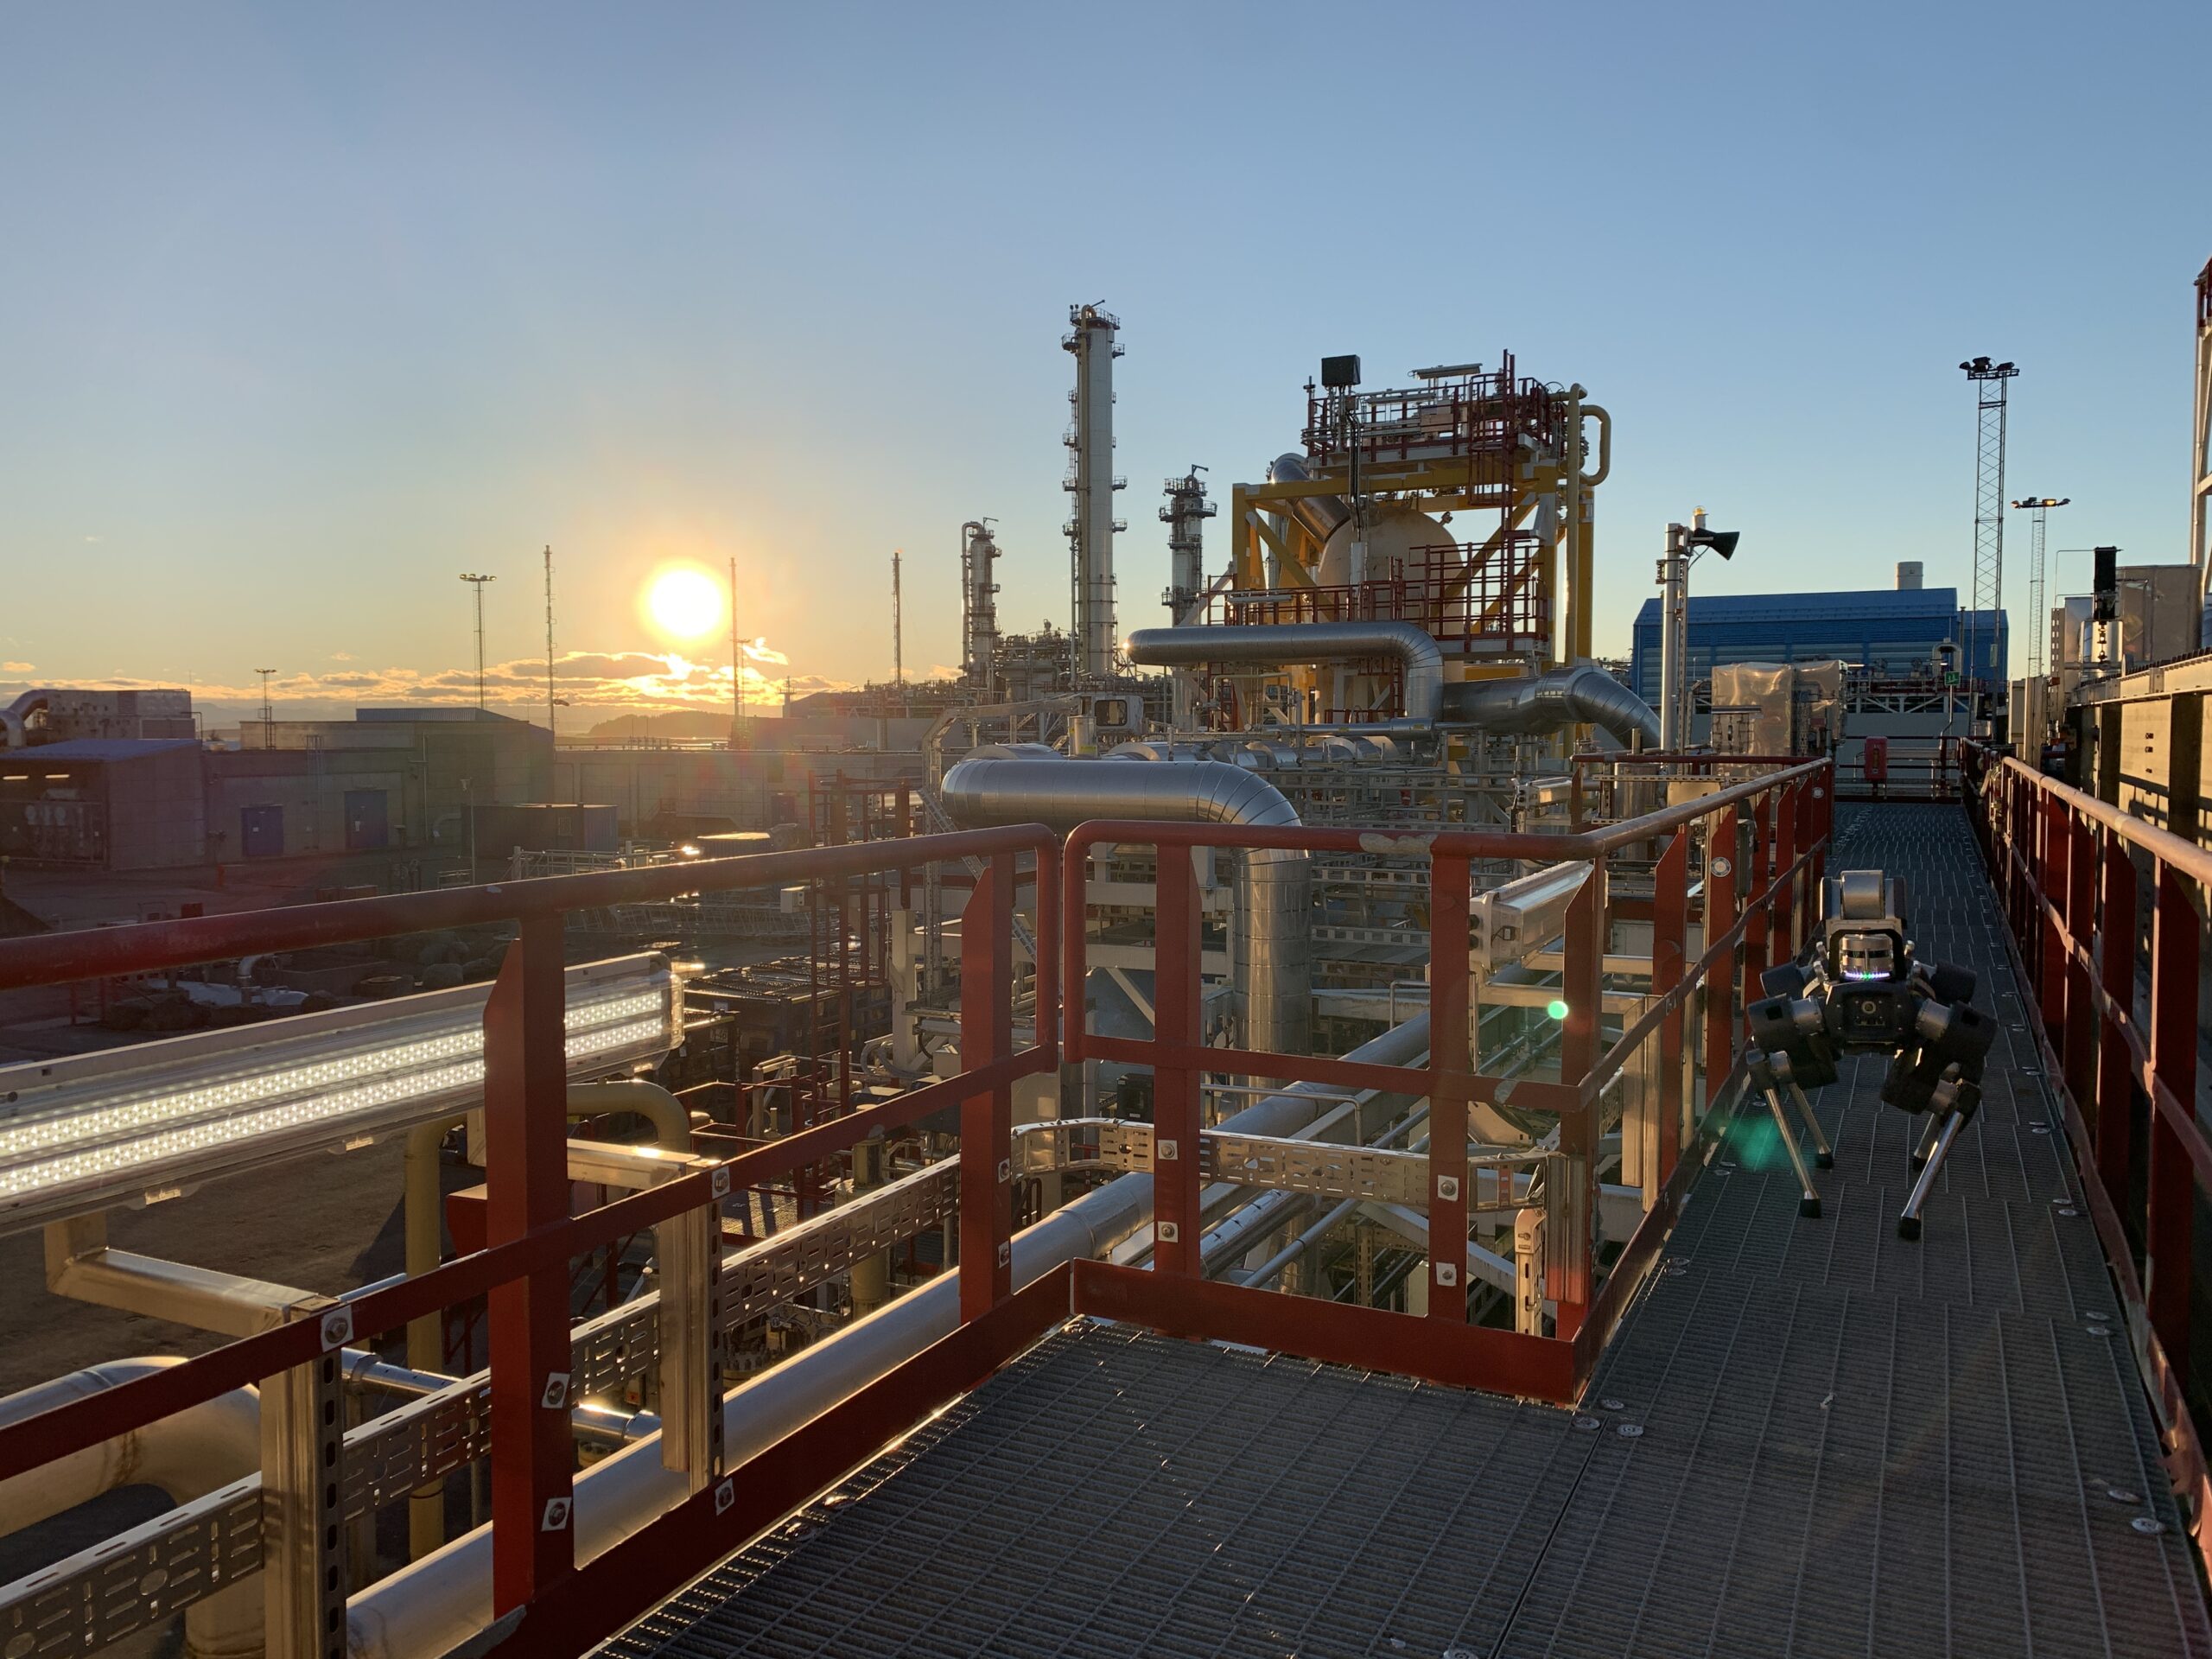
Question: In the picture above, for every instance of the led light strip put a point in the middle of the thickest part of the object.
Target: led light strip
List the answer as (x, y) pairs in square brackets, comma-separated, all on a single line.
[(68, 1128), (106, 1129), (118, 1157)]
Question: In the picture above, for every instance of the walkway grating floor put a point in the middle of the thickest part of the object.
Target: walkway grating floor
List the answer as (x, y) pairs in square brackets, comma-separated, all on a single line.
[(1810, 1437)]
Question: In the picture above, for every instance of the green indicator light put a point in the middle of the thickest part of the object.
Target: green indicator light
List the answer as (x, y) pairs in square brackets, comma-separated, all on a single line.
[(1556, 1008)]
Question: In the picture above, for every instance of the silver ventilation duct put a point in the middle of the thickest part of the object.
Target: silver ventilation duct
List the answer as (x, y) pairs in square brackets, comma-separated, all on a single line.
[(1278, 644), (1549, 703), (1274, 965), (1317, 515)]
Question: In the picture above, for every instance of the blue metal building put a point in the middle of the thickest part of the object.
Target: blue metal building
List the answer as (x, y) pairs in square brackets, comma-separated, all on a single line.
[(1892, 631)]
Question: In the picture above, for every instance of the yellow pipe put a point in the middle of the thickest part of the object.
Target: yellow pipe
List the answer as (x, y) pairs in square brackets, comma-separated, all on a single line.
[(424, 1232)]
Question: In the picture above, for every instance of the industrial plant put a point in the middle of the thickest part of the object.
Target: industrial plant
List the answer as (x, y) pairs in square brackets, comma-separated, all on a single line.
[(1349, 1123)]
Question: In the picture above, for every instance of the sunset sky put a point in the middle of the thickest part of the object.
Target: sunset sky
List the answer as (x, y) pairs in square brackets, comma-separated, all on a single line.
[(306, 311)]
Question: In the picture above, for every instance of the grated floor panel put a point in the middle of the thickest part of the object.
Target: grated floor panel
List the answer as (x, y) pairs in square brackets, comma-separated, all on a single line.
[(1810, 1437)]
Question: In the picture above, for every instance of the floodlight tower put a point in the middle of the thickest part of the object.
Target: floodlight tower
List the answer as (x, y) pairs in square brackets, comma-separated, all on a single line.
[(1987, 595), (2038, 619), (477, 582)]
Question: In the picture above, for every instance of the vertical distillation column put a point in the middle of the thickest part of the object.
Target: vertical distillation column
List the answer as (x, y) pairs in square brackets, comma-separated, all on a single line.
[(1091, 481), (1186, 516), (979, 606), (1987, 597)]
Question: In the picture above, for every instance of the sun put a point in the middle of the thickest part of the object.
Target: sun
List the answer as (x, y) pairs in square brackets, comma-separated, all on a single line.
[(684, 603)]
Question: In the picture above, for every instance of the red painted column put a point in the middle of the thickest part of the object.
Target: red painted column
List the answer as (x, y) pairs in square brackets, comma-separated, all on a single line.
[(526, 1175), (1754, 881), (1175, 1125), (2169, 1223), (1783, 943), (1669, 928), (2080, 1057), (2113, 1119), (1450, 1067), (987, 1116), (2057, 843), (1572, 1279), (1721, 877)]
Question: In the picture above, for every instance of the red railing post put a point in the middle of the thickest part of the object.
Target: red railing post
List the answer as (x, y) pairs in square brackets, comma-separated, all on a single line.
[(1784, 910), (1175, 1123), (526, 1173), (2114, 1117), (1669, 925), (1722, 849), (1451, 1066), (2051, 884), (1755, 875), (1572, 1257), (2080, 1060), (987, 1118), (2169, 1222)]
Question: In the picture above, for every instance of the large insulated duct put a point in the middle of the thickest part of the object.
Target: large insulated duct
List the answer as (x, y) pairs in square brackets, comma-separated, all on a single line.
[(186, 1455), (14, 720), (1549, 702), (1274, 968), (1317, 515), (445, 1600), (1280, 645)]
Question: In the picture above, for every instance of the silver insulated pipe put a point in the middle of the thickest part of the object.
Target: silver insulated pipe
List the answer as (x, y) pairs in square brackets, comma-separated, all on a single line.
[(1277, 645), (1318, 515), (1549, 703), (1274, 964)]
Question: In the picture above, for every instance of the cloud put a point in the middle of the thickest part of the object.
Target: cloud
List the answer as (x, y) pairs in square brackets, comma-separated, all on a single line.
[(589, 682), (18, 668)]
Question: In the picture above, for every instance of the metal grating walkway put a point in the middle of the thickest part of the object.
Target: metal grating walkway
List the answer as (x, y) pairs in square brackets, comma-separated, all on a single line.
[(1809, 1439)]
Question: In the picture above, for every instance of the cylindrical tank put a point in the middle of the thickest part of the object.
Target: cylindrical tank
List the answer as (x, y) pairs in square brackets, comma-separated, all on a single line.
[(1393, 533)]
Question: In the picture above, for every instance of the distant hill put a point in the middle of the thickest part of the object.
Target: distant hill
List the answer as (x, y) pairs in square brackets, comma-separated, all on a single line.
[(686, 723)]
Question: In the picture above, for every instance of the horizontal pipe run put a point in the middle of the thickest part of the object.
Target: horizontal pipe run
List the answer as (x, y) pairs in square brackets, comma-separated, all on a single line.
[(87, 953)]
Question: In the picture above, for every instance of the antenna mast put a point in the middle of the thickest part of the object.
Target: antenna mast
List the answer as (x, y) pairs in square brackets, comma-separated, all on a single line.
[(478, 583)]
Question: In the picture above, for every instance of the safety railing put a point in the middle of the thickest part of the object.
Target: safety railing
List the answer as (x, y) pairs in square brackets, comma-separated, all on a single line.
[(2107, 921), (1743, 862), (316, 1479), (1764, 844)]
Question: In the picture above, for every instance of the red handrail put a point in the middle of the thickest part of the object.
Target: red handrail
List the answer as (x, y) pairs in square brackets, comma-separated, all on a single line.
[(2070, 870)]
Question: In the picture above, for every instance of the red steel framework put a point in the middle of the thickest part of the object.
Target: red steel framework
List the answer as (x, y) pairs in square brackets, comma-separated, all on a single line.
[(2073, 875), (1779, 825), (1763, 848), (1459, 592), (1460, 416)]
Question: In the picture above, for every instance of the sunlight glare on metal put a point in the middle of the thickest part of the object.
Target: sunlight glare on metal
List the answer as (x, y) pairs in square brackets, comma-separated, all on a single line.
[(139, 1123)]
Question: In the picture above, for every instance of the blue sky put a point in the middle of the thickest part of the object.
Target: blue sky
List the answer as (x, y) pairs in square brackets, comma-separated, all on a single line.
[(305, 311)]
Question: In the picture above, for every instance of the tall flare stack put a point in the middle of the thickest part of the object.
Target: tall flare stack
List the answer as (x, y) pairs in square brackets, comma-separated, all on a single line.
[(1091, 481)]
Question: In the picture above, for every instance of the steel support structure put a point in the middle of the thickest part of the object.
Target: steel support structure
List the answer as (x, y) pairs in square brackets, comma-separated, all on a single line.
[(545, 1604), (1986, 594)]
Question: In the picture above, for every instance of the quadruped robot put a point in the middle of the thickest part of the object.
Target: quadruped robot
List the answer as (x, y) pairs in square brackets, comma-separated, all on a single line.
[(1865, 991)]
